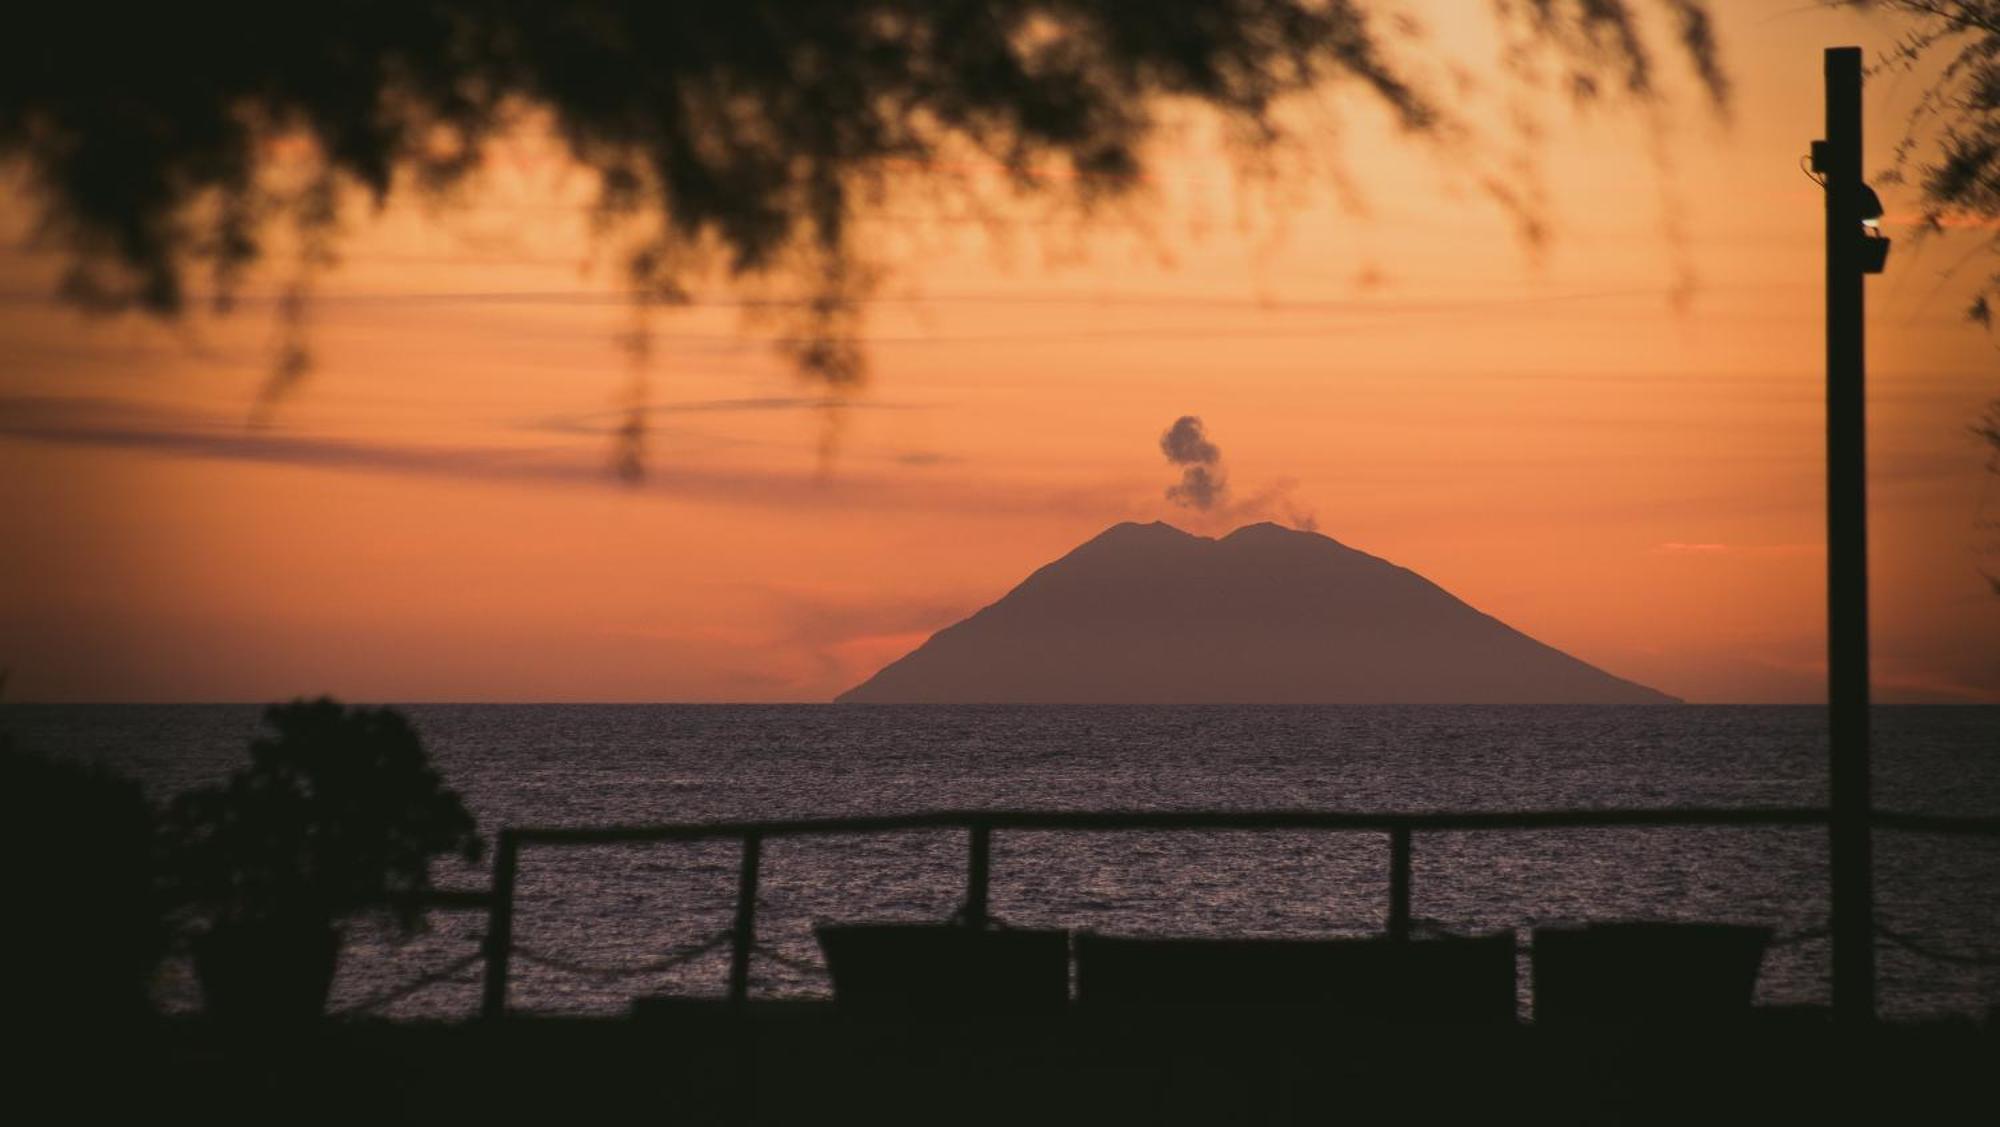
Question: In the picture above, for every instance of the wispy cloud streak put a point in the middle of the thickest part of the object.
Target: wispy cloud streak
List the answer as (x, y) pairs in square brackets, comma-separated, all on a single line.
[(119, 425)]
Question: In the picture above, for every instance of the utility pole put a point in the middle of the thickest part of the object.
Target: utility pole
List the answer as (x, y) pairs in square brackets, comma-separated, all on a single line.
[(1838, 160)]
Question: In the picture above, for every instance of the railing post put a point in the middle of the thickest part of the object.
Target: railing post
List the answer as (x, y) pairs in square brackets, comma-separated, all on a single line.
[(744, 936), (1399, 882), (978, 868), (500, 925)]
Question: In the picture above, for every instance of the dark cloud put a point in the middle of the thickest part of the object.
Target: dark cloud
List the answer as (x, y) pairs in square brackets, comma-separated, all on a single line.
[(610, 421), (1202, 485), (130, 425), (1184, 444), (1199, 488), (926, 458)]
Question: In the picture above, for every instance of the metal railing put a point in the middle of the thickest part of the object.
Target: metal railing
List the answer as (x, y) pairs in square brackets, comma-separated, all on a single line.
[(980, 825)]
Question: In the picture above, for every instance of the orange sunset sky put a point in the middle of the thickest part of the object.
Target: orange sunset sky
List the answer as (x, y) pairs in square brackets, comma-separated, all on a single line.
[(1549, 434)]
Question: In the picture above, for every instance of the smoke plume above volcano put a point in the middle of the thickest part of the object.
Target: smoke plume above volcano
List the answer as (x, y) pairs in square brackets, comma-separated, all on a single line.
[(1203, 484)]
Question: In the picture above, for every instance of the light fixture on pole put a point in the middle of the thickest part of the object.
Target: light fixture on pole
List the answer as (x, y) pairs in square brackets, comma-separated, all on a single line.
[(1874, 244)]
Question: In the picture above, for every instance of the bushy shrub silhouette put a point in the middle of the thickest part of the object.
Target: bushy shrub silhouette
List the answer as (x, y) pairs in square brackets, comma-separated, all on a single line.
[(339, 813)]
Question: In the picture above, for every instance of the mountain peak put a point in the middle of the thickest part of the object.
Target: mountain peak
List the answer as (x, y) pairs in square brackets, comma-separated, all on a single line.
[(1271, 532), (1133, 531), (1152, 614)]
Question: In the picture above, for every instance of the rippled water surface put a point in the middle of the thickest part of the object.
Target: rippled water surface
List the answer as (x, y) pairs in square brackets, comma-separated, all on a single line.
[(609, 908)]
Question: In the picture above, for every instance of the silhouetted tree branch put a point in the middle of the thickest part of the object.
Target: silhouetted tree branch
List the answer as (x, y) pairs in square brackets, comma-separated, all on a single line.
[(742, 134), (1951, 146)]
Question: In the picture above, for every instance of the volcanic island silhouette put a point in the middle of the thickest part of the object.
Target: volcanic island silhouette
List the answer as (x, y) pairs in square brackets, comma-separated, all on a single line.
[(1150, 614)]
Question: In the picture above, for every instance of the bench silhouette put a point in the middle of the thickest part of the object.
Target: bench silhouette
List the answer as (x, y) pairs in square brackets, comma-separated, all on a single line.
[(1650, 973), (1373, 980), (943, 970)]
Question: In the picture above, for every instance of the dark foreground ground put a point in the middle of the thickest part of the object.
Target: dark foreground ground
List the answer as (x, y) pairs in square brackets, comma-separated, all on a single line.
[(804, 1063)]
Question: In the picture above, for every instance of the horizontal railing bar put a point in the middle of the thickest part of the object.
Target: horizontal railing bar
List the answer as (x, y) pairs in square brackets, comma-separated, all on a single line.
[(456, 899), (1224, 820), (1977, 825)]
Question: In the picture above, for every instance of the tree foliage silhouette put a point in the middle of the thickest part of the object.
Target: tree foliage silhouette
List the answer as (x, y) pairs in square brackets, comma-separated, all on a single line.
[(88, 927), (741, 133), (1951, 148), (338, 812)]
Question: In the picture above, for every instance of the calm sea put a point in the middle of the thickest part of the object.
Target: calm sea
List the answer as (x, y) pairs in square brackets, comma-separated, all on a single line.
[(611, 909)]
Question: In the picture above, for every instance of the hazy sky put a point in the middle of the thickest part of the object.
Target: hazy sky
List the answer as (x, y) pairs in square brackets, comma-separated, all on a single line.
[(1548, 434)]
